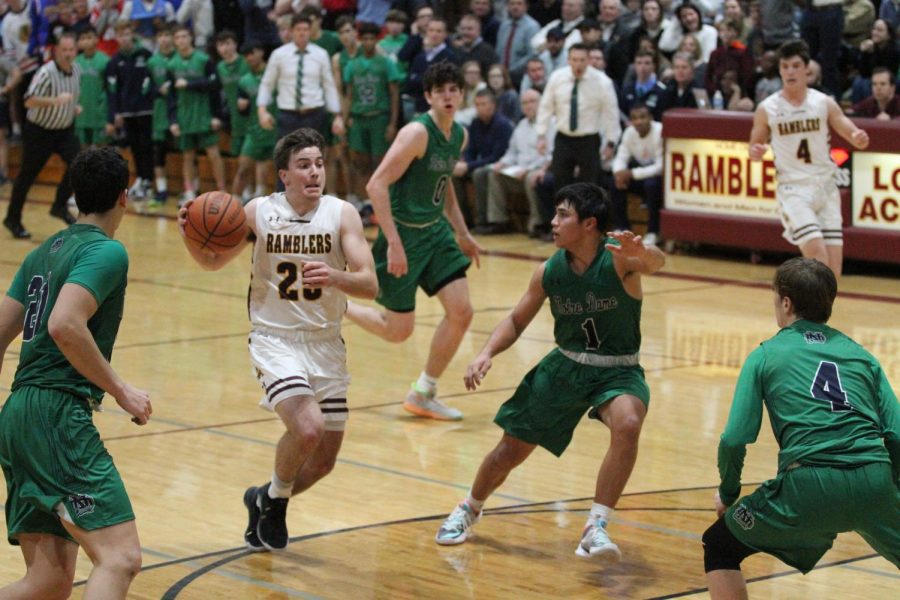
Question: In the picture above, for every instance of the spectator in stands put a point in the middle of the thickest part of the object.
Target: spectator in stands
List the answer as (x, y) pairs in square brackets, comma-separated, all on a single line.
[(822, 27), (890, 13), (373, 11), (472, 82), (883, 104), (514, 39), (733, 10), (258, 148), (469, 45), (90, 124), (597, 59), (490, 24), (149, 16), (394, 39), (337, 157), (733, 93), (105, 14), (535, 76), (590, 32), (489, 135), (859, 16), (199, 13), (776, 22), (689, 45), (637, 169), (646, 89), (651, 27), (689, 22), (769, 81), (507, 99), (318, 95), (259, 24), (333, 10), (194, 110), (230, 69), (814, 75), (732, 55), (880, 50), (571, 14), (554, 55), (584, 103), (681, 92), (522, 169), (615, 25), (130, 95), (434, 50), (318, 35), (162, 137)]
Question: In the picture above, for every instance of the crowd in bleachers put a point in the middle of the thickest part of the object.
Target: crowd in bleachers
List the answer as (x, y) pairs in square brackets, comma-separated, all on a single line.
[(165, 76)]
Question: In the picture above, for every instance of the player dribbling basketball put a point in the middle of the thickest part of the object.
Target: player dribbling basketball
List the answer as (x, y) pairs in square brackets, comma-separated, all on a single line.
[(298, 295)]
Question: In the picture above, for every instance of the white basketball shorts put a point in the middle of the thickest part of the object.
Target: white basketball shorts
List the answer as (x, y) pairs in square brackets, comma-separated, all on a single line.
[(810, 211), (302, 367)]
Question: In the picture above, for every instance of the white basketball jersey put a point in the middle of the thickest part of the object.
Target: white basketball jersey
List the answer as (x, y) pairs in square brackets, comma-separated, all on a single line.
[(800, 138), (284, 242)]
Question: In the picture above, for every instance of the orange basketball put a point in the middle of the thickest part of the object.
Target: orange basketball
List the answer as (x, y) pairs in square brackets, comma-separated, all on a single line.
[(216, 220)]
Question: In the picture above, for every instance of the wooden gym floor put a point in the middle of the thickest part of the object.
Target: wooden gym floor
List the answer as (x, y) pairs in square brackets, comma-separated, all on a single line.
[(366, 531)]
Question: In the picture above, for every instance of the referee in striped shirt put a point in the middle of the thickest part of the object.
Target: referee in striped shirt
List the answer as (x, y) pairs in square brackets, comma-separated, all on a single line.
[(52, 103)]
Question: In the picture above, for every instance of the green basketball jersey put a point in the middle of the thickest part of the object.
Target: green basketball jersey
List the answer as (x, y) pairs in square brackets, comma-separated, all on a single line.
[(330, 41), (370, 79), (592, 312), (229, 75), (391, 46), (248, 87), (93, 91), (828, 400), (418, 196), (193, 110), (84, 255), (159, 72)]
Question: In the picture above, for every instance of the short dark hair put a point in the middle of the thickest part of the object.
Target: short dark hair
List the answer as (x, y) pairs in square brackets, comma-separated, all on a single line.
[(162, 29), (225, 35), (793, 48), (294, 141), (397, 16), (440, 74), (368, 29), (646, 53), (588, 200), (178, 28), (811, 286), (344, 20), (486, 92), (87, 31), (303, 17), (640, 105), (98, 176), (308, 12), (579, 46), (67, 35), (250, 47), (891, 76)]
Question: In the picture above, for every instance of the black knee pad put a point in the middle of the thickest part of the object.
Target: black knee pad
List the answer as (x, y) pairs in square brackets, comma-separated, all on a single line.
[(721, 550)]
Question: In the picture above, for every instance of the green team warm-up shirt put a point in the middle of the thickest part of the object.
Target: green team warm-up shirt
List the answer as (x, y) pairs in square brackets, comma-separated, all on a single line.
[(93, 92), (229, 76), (248, 87), (193, 111), (84, 255), (418, 196), (370, 79), (828, 400), (159, 72)]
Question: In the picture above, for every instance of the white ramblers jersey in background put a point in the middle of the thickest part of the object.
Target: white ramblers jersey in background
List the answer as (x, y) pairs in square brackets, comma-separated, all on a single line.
[(284, 242), (800, 138)]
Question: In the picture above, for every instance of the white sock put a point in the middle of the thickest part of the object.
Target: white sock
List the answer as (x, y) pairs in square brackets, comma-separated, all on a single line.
[(161, 185), (475, 505), (600, 511), (426, 383), (279, 488)]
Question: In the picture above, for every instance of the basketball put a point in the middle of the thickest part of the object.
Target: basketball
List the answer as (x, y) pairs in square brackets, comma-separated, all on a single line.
[(216, 220)]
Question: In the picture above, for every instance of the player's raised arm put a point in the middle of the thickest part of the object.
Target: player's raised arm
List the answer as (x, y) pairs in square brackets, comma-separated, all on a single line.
[(845, 127), (359, 280), (509, 329), (631, 257), (209, 260), (759, 135)]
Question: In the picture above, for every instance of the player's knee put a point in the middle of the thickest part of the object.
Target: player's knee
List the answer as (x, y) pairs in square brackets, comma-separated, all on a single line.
[(721, 550), (507, 457), (399, 332), (461, 314), (628, 428), (306, 430)]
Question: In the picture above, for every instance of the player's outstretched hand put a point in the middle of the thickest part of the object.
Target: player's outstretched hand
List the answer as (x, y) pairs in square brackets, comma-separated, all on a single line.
[(720, 506), (470, 248), (396, 255), (182, 215), (630, 245), (136, 403), (476, 371), (316, 275), (757, 151), (860, 139)]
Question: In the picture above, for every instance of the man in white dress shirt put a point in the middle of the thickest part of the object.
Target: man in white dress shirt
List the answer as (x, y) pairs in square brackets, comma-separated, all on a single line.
[(300, 74), (591, 93), (572, 13), (638, 168)]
